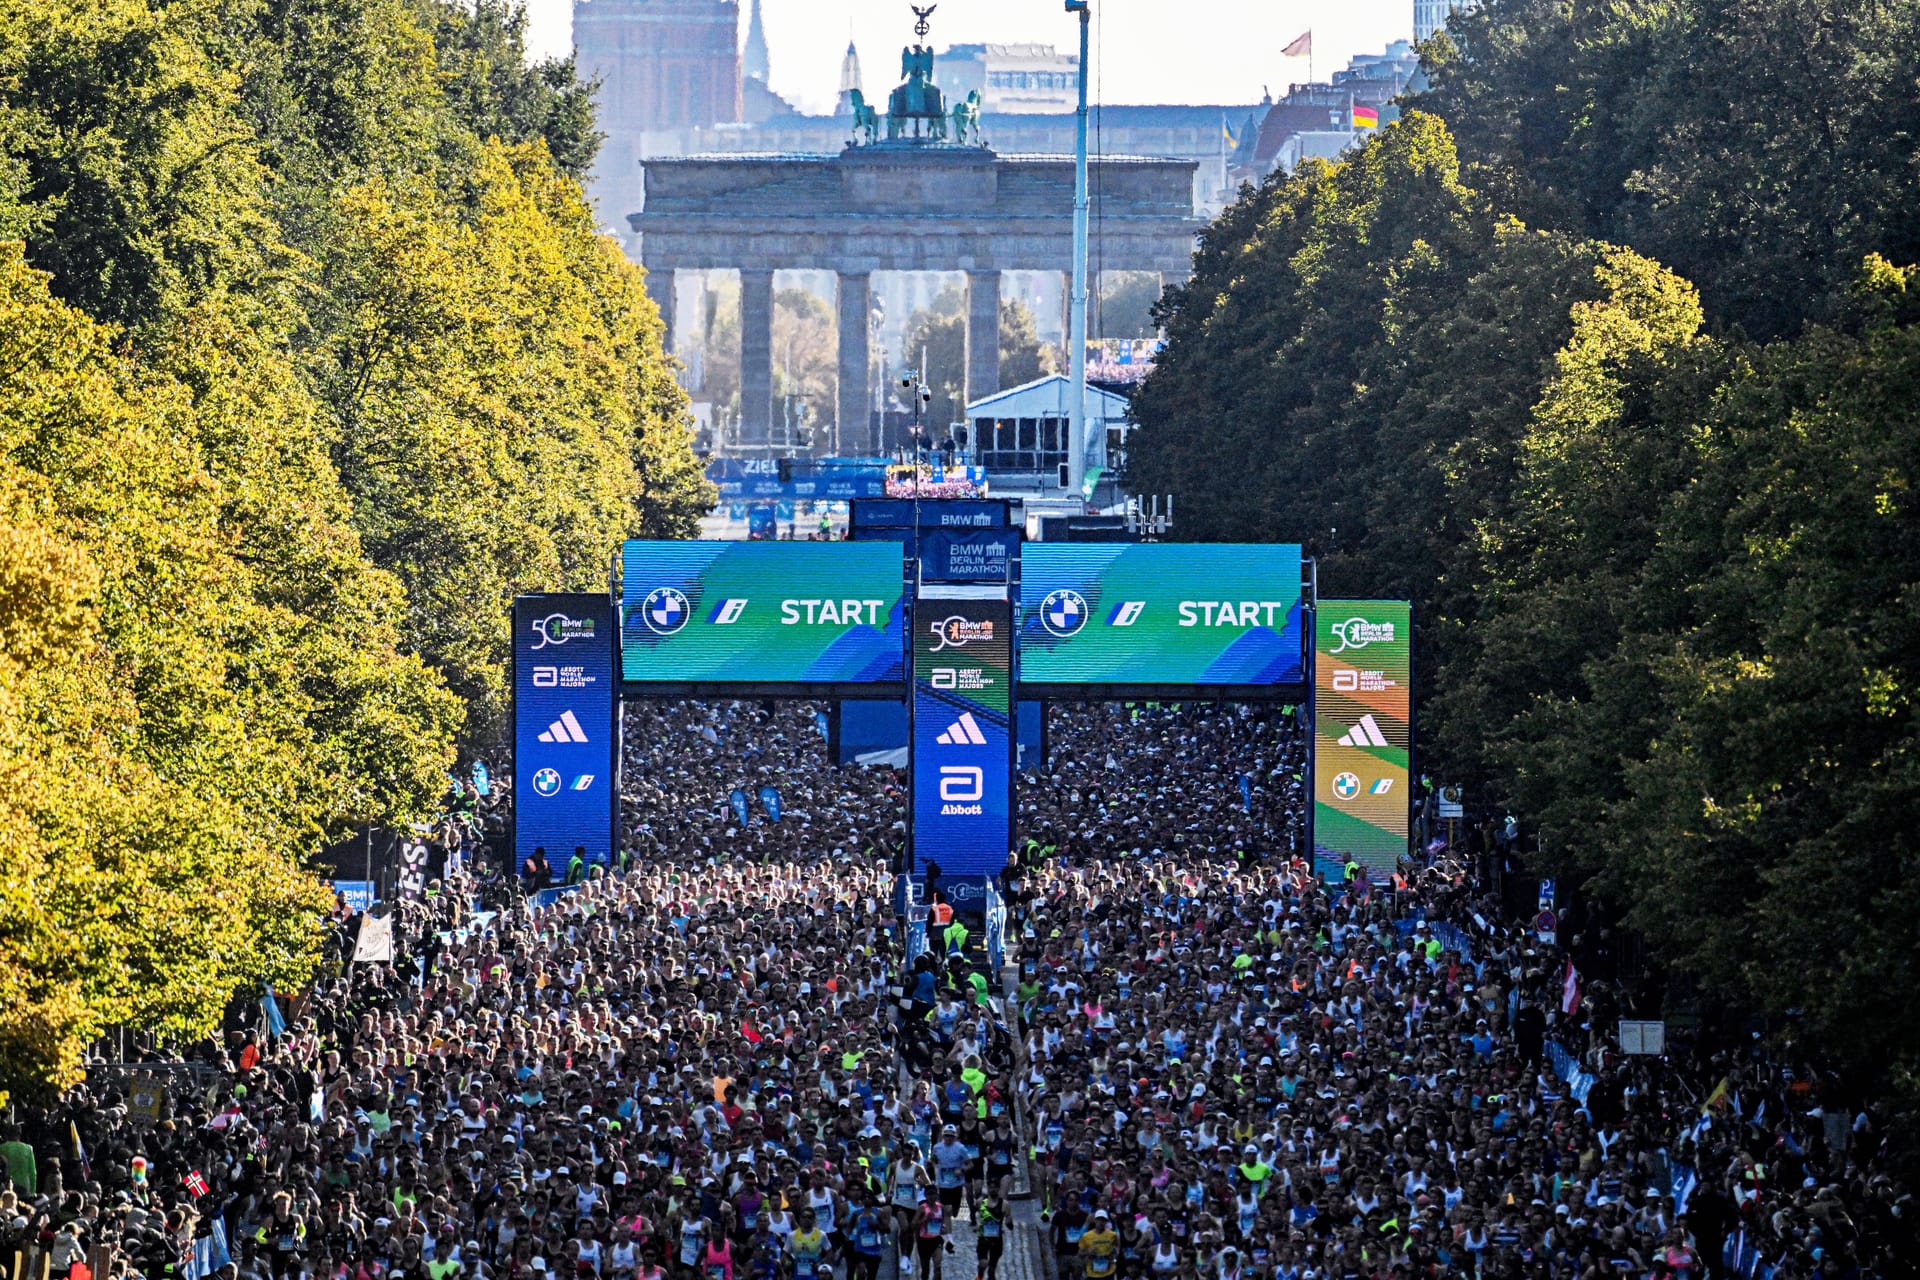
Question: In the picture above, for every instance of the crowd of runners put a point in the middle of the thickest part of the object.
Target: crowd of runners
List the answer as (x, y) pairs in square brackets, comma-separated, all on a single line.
[(1208, 1061)]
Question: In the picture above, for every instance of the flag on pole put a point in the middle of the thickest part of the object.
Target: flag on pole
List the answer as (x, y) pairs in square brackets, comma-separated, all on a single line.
[(80, 1152), (1226, 131), (1570, 990), (1366, 118), (196, 1184), (1718, 1096), (269, 1005), (1302, 46)]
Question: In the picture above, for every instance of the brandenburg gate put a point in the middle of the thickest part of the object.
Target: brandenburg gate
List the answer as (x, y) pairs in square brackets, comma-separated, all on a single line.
[(929, 195)]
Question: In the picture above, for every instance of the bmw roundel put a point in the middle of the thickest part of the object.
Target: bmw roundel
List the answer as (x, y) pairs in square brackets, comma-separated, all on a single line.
[(665, 610), (1346, 785), (1063, 612), (546, 782)]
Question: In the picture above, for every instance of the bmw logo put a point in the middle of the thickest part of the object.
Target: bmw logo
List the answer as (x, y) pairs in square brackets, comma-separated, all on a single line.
[(1063, 612), (1346, 785), (665, 610), (546, 782)]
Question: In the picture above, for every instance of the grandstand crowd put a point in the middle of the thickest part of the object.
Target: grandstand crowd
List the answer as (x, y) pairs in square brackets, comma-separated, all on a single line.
[(1209, 1061)]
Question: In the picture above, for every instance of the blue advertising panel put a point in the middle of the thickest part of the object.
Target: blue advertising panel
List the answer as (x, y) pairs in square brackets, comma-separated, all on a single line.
[(870, 731), (1030, 734), (931, 513), (1156, 614), (962, 737), (968, 557), (819, 478), (565, 734), (761, 612)]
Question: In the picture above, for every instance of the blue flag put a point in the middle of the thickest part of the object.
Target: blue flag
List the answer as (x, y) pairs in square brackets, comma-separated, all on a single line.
[(740, 807), (482, 782), (209, 1252), (276, 1021), (1246, 792), (770, 801), (820, 723)]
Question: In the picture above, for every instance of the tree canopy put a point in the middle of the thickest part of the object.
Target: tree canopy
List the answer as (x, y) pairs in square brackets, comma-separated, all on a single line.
[(310, 360), (1605, 356)]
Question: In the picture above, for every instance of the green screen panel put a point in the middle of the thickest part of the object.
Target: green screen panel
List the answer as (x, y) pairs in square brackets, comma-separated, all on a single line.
[(761, 612), (1363, 732), (1160, 613)]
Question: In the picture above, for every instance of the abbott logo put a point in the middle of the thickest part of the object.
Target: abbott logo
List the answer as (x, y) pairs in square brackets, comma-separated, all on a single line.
[(728, 612), (546, 677), (962, 783), (1346, 680)]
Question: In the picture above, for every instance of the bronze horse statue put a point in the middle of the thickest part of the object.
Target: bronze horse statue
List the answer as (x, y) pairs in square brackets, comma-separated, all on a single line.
[(865, 119), (966, 119)]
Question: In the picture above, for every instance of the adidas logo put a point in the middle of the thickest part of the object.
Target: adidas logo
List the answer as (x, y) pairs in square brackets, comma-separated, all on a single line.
[(565, 729), (963, 732), (1365, 734)]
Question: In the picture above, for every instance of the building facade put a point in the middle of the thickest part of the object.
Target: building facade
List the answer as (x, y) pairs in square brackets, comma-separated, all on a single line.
[(666, 67), (663, 64), (1431, 15), (1011, 79)]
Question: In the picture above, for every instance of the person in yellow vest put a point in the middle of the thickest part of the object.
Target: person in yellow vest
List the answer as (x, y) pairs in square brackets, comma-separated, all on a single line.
[(1100, 1248)]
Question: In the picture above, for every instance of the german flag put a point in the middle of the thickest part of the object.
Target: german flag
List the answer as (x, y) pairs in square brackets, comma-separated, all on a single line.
[(1366, 117)]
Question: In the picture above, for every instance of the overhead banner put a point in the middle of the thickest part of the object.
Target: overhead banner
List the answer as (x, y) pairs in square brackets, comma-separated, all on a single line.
[(1160, 614), (962, 736), (931, 513), (1363, 733), (565, 728), (761, 613), (823, 478)]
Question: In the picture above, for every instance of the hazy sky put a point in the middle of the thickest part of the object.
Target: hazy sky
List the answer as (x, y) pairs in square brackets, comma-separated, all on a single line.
[(1144, 51)]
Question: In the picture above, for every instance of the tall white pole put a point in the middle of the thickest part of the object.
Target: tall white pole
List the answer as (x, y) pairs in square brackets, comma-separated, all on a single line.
[(1077, 324)]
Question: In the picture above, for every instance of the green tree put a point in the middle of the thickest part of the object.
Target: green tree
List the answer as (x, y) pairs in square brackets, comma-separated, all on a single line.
[(494, 91), (940, 331), (502, 413), (1759, 148), (1761, 833), (1023, 357), (142, 183), (1125, 307), (167, 726), (307, 331), (806, 359)]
